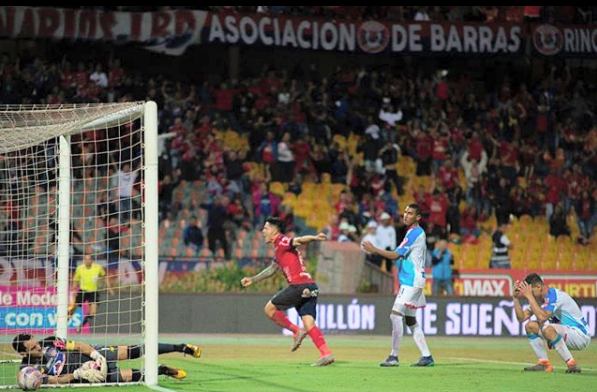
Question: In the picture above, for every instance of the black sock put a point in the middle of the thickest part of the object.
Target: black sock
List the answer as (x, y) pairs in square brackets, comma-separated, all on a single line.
[(137, 375), (134, 352), (164, 348), (87, 319), (166, 371)]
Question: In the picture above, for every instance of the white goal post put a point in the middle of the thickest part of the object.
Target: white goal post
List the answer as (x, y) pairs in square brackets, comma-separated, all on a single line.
[(79, 184)]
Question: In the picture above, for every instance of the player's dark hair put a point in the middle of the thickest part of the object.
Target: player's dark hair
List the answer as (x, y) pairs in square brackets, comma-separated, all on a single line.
[(533, 279), (18, 343), (415, 207), (275, 221)]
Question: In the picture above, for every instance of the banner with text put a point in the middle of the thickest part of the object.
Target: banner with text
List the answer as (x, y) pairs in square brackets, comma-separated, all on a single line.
[(365, 37), (577, 41), (32, 310), (445, 317), (499, 283), (168, 32), (364, 314), (172, 32)]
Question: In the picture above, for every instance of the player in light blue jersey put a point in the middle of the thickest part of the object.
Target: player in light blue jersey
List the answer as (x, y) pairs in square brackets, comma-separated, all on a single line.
[(559, 322), (410, 255)]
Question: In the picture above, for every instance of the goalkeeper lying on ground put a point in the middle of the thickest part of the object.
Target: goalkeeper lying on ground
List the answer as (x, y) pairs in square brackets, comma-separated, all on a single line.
[(64, 362)]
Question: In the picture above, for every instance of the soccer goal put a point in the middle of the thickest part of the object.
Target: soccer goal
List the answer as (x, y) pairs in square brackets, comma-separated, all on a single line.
[(78, 184)]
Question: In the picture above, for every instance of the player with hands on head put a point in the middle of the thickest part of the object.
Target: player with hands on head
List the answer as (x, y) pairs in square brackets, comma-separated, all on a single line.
[(559, 322)]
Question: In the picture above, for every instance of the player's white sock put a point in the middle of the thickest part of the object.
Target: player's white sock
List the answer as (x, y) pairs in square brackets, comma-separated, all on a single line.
[(538, 345), (560, 346), (419, 337), (397, 332)]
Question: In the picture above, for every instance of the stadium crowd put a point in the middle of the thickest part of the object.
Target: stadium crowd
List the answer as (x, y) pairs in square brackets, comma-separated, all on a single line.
[(525, 146)]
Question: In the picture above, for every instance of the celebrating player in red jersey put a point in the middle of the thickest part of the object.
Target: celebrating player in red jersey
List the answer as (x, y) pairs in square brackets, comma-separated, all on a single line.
[(301, 293)]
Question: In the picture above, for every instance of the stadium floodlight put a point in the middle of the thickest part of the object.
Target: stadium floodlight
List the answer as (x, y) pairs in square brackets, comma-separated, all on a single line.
[(78, 180)]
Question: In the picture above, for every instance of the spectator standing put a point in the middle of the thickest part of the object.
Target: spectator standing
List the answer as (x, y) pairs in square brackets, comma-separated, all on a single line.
[(370, 149), (389, 156), (585, 216), (557, 222), (99, 77), (500, 257), (126, 181), (216, 219), (193, 236), (442, 261), (386, 239), (370, 236), (285, 163)]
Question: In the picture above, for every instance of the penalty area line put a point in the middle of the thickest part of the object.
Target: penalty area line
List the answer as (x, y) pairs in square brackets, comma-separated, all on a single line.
[(503, 362), (160, 389)]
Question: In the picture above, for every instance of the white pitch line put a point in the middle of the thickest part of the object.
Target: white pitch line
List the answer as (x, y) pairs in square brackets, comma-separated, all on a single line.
[(488, 361), (503, 362), (160, 389)]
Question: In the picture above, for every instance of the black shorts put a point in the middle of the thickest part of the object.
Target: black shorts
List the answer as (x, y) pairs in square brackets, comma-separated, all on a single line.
[(87, 296), (303, 297), (111, 355)]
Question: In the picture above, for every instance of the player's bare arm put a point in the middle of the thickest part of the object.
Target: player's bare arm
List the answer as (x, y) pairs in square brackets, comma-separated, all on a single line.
[(64, 379), (82, 347), (269, 271), (388, 254), (541, 314), (521, 314), (90, 375), (305, 239), (85, 349)]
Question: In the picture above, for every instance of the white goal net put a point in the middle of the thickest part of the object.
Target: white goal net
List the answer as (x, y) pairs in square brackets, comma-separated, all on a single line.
[(78, 227)]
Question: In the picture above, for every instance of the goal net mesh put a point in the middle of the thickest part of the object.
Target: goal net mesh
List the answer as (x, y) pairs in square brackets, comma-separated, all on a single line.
[(105, 303)]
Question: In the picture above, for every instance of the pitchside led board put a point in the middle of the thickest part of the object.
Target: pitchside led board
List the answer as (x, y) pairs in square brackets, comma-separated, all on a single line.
[(33, 309), (443, 317), (30, 305), (483, 306), (363, 314)]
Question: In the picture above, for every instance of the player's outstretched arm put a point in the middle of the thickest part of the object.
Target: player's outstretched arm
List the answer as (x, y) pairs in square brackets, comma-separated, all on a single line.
[(305, 239), (388, 254), (83, 348), (64, 379), (266, 273)]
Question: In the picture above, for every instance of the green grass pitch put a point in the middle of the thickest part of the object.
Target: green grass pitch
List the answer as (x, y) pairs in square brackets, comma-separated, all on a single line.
[(259, 363)]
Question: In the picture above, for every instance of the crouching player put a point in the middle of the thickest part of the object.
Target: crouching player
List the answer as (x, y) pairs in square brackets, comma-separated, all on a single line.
[(559, 322)]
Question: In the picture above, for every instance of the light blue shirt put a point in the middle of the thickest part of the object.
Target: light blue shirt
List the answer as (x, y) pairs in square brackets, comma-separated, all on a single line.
[(413, 252), (443, 269), (565, 310)]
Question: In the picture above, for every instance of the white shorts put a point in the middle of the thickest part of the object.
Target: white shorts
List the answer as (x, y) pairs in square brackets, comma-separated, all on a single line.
[(408, 300), (574, 338)]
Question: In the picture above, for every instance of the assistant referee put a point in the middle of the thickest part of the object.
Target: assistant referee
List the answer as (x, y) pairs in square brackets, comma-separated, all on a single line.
[(86, 279)]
